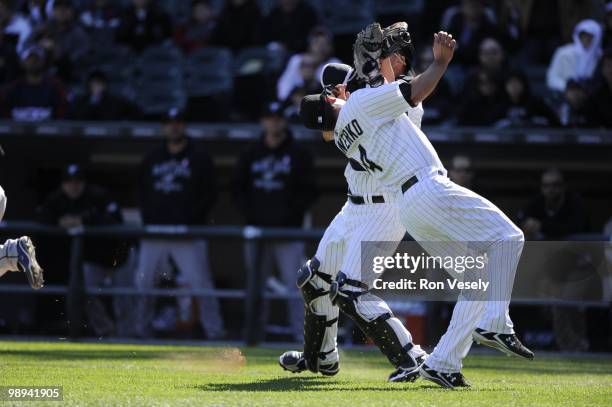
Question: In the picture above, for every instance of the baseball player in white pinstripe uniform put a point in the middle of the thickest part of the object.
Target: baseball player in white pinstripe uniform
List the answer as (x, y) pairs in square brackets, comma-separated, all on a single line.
[(370, 214), (373, 129)]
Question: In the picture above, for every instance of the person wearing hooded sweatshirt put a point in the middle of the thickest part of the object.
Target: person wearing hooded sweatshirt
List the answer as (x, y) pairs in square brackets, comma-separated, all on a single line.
[(577, 60), (274, 185)]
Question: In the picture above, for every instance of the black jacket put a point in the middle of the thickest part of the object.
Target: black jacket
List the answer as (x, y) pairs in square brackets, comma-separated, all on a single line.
[(108, 107), (177, 189), (95, 207), (275, 187), (569, 219)]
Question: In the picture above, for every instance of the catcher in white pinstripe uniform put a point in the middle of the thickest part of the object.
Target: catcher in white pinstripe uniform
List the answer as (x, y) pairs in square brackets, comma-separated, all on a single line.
[(370, 214), (372, 128)]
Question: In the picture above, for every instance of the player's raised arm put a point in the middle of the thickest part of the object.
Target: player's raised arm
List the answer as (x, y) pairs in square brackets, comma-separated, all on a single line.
[(423, 84)]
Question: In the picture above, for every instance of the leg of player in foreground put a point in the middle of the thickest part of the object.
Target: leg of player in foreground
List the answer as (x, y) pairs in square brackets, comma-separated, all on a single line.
[(370, 313), (321, 316), (19, 254), (436, 209)]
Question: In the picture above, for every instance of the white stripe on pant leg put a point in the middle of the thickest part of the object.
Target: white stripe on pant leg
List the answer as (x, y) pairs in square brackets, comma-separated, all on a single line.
[(330, 254), (456, 342), (501, 267)]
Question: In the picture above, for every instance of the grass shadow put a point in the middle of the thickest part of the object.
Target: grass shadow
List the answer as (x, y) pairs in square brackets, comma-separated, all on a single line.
[(294, 384)]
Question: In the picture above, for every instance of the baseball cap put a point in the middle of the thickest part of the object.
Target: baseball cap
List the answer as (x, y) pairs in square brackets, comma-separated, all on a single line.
[(34, 49), (72, 172), (174, 114)]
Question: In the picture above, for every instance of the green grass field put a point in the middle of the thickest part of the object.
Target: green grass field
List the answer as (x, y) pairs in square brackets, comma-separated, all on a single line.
[(136, 375)]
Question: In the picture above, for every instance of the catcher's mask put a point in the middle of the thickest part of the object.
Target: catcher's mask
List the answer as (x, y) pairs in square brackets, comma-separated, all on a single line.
[(398, 40), (317, 111)]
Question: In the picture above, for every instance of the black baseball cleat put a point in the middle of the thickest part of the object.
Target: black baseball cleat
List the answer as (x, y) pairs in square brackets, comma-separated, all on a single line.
[(507, 343), (446, 380), (294, 362), (407, 374), (26, 262)]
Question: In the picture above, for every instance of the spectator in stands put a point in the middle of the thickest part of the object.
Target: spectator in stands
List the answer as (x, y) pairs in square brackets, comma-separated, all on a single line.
[(101, 15), (143, 24), (439, 102), (78, 203), (522, 108), (291, 106), (483, 104), (602, 95), (198, 31), (14, 24), (59, 63), (289, 24), (491, 60), (69, 37), (274, 186), (577, 109), (577, 60), (177, 187), (98, 103), (35, 96), (607, 35), (461, 172), (553, 215), (9, 61), (38, 11), (535, 25), (320, 51), (238, 25), (555, 212), (469, 26)]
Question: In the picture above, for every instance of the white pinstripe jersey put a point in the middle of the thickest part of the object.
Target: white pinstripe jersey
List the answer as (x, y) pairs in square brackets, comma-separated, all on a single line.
[(360, 182), (373, 130)]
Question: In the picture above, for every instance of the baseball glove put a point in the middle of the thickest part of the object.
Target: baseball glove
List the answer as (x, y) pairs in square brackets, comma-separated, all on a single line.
[(366, 53), (396, 38)]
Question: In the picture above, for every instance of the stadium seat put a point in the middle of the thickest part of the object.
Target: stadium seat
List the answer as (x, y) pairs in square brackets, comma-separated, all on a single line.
[(346, 16), (161, 54), (252, 61), (155, 101), (392, 7), (208, 72)]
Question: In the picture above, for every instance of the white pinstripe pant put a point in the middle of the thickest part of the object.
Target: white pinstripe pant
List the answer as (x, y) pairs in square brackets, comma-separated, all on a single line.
[(340, 249), (436, 210), (8, 250)]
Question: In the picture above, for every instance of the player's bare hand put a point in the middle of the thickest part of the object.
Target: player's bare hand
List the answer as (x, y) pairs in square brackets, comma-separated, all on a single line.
[(443, 47)]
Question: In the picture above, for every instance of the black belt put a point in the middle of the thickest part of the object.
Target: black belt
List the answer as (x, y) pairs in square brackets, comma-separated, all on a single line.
[(413, 180), (359, 200)]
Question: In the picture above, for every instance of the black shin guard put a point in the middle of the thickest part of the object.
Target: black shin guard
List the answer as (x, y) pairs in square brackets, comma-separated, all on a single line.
[(378, 330), (315, 324)]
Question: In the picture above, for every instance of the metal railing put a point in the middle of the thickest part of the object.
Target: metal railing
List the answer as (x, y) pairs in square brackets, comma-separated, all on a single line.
[(253, 295)]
